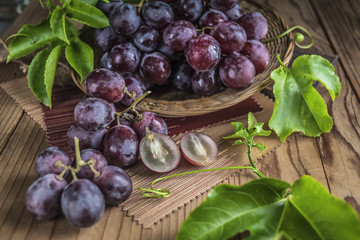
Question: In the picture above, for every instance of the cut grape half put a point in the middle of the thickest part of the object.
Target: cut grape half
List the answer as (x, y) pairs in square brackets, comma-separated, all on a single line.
[(198, 148), (159, 152)]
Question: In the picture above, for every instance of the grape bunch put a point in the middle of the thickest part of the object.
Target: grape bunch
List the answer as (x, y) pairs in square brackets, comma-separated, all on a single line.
[(188, 44)]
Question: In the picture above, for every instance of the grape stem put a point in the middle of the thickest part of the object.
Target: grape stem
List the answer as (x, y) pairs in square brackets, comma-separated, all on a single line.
[(298, 38), (132, 107)]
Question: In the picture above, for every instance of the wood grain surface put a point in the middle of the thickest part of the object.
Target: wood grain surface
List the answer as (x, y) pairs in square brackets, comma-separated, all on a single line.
[(333, 158)]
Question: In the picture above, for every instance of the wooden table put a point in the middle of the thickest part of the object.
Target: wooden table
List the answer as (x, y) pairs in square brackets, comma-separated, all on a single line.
[(333, 158)]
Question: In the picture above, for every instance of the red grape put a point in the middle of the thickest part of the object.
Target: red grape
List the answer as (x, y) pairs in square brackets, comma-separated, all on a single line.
[(258, 54), (205, 83), (125, 57), (230, 35), (155, 68), (134, 83), (177, 34), (190, 10), (146, 39), (149, 120), (255, 25), (157, 14), (181, 75), (124, 19), (211, 18), (106, 38), (86, 139), (86, 155), (223, 5), (45, 162)]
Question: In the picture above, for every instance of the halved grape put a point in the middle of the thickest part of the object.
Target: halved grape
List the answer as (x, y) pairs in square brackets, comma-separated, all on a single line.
[(159, 152), (45, 162), (198, 148)]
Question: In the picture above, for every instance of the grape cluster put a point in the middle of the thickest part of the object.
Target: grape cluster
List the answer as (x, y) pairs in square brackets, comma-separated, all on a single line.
[(158, 43)]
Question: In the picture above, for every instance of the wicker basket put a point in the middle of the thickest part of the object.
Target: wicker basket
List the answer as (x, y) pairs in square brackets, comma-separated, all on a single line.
[(169, 102)]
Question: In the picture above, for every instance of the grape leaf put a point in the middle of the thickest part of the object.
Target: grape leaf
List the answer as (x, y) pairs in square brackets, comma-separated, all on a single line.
[(58, 24), (90, 2), (262, 207), (298, 106)]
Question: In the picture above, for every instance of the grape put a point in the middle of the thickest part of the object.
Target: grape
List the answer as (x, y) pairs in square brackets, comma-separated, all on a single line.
[(159, 152), (155, 68), (125, 57), (120, 146), (124, 19), (203, 52), (86, 155), (255, 25), (45, 162), (230, 35), (170, 53), (146, 39), (106, 38), (42, 199), (135, 84), (168, 1), (190, 10), (105, 84), (223, 5), (115, 184), (237, 71), (107, 7), (86, 139), (82, 203), (258, 54), (198, 148), (181, 76), (93, 114), (234, 13), (211, 18), (205, 83), (126, 120), (177, 34), (105, 61), (157, 14), (151, 121)]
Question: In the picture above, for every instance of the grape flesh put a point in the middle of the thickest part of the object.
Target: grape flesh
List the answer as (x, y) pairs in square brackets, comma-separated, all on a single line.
[(237, 71), (181, 75), (134, 84), (157, 14), (42, 199), (115, 184), (198, 148), (105, 84), (205, 83), (107, 7), (93, 114), (106, 38), (230, 35), (151, 121), (234, 13), (177, 34), (82, 203), (190, 10), (125, 57), (203, 52), (45, 162), (159, 152), (146, 39), (211, 18), (86, 155), (120, 146), (258, 54), (86, 139), (223, 5), (124, 19), (155, 68), (255, 25)]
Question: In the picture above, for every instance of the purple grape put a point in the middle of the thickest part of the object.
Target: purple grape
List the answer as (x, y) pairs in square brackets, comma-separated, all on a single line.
[(120, 146), (223, 5), (258, 54), (205, 83), (93, 114), (168, 1), (155, 68), (255, 25), (82, 203), (125, 57), (203, 52), (237, 71), (177, 34), (45, 162), (170, 53), (190, 10), (42, 199), (86, 155), (157, 14), (234, 13), (105, 61), (134, 83), (211, 18), (115, 184), (230, 35), (146, 39), (106, 38), (107, 7), (86, 139), (151, 121), (124, 19), (105, 84), (181, 75)]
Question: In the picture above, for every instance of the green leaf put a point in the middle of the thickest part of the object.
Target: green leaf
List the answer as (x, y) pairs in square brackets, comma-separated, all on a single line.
[(58, 23), (262, 208), (238, 142), (87, 14), (259, 131), (80, 57), (251, 121), (90, 2), (260, 146), (30, 38), (298, 106), (239, 134), (237, 126)]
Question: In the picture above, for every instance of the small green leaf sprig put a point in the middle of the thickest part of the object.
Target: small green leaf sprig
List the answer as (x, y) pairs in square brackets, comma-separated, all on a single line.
[(52, 36)]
